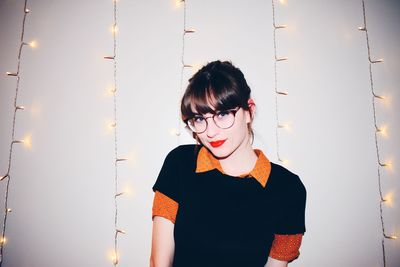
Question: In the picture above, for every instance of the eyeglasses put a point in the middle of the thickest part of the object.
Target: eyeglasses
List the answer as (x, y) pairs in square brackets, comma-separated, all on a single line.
[(223, 119)]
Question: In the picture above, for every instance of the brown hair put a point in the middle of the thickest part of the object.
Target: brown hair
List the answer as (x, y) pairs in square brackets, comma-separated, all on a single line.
[(216, 86)]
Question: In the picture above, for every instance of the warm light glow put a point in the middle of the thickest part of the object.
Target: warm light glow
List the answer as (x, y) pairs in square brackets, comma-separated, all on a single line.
[(33, 44), (132, 158), (35, 110), (2, 177), (284, 126), (114, 28), (283, 2), (190, 30), (285, 162), (394, 237), (9, 210), (389, 165), (108, 125), (361, 28), (112, 90), (388, 199), (112, 125), (383, 130), (27, 10), (113, 257), (3, 240), (196, 67), (128, 191), (177, 3), (27, 141)]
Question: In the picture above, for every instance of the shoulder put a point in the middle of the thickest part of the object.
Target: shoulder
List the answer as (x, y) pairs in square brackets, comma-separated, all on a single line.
[(183, 151), (287, 180), (183, 154)]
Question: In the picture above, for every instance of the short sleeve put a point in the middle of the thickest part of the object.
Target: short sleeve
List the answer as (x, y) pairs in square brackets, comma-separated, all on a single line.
[(291, 207), (168, 180)]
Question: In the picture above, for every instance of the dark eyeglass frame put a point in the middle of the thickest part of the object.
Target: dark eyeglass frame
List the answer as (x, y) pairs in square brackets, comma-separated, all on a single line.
[(233, 111)]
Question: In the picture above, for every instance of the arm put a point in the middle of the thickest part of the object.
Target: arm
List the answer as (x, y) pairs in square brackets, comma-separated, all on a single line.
[(162, 245), (275, 263)]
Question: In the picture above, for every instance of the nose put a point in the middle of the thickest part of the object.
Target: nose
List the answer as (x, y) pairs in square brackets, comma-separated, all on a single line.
[(212, 129)]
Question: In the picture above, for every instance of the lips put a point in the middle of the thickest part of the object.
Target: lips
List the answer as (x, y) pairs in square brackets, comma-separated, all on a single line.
[(217, 143)]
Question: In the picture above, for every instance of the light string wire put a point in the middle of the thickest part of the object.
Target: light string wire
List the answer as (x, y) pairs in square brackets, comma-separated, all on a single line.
[(378, 130), (118, 231), (184, 65), (7, 176), (277, 92)]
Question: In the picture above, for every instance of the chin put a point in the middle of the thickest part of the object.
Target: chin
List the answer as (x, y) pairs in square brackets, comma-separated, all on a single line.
[(219, 152)]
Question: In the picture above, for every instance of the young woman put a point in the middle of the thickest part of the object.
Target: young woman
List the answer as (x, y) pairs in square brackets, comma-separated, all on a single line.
[(220, 202)]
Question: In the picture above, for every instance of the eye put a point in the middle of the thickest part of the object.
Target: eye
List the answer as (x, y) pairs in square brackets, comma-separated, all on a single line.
[(198, 119), (224, 113)]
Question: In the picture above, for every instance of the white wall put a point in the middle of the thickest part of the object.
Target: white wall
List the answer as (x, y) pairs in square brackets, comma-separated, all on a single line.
[(62, 188)]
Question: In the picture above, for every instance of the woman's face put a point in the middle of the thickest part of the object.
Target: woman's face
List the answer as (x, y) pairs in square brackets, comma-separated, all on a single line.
[(223, 142)]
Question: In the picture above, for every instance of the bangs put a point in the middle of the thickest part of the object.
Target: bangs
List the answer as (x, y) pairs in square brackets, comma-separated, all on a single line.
[(208, 96)]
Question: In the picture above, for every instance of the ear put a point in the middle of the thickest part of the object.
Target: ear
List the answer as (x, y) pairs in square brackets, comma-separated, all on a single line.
[(252, 107)]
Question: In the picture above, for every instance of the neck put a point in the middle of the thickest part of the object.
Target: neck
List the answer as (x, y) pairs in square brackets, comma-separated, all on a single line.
[(241, 161)]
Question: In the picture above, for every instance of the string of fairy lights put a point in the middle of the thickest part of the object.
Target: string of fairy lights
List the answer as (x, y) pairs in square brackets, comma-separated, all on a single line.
[(278, 93), (26, 141), (184, 65), (113, 125), (378, 131)]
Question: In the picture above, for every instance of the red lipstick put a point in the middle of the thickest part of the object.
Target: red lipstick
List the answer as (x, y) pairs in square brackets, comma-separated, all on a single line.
[(217, 143)]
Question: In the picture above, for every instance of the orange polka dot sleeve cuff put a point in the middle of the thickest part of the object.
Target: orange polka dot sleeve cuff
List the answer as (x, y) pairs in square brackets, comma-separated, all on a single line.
[(165, 207), (286, 247)]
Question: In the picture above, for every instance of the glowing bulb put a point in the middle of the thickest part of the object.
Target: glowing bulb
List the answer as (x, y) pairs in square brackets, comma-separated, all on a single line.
[(283, 26), (27, 141), (284, 126), (281, 58), (376, 61), (362, 28), (178, 3), (121, 231), (114, 28), (128, 190), (20, 107), (282, 93), (11, 73), (112, 125), (3, 240), (393, 237), (190, 30), (383, 130), (27, 10), (33, 44), (114, 258), (112, 90), (388, 199)]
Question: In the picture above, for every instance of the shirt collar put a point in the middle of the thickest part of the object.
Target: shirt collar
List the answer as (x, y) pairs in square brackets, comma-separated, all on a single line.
[(261, 171)]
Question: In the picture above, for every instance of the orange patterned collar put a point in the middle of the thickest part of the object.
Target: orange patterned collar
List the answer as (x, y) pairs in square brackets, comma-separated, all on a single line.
[(206, 162)]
